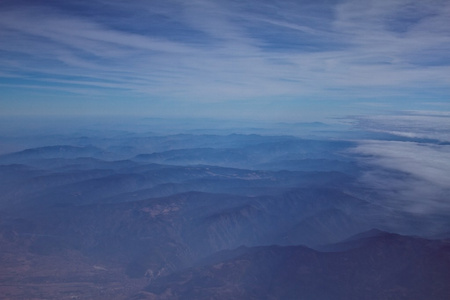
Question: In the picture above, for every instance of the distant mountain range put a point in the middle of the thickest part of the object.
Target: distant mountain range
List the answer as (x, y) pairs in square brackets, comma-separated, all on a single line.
[(209, 217)]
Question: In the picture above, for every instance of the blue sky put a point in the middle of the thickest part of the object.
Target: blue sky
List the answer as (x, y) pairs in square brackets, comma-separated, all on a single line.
[(260, 60)]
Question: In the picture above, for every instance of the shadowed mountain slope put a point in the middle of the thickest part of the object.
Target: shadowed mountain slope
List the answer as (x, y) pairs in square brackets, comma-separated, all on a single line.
[(384, 266)]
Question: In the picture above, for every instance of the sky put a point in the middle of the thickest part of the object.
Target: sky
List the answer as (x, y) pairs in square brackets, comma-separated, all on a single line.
[(284, 60)]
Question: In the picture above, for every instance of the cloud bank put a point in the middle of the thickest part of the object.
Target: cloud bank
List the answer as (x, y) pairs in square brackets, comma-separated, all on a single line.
[(408, 175)]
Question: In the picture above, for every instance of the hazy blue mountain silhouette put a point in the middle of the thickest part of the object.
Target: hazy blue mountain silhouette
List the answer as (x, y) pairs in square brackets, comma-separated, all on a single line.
[(208, 217)]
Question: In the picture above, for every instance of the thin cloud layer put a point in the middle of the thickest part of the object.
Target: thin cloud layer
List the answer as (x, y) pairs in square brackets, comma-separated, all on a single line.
[(408, 175), (207, 51), (433, 125)]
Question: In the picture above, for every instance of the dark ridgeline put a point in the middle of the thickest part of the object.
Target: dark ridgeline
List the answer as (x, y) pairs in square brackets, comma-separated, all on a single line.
[(384, 266), (208, 217)]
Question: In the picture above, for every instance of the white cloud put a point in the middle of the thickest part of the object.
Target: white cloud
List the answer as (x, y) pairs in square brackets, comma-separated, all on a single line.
[(230, 61), (407, 175), (411, 124)]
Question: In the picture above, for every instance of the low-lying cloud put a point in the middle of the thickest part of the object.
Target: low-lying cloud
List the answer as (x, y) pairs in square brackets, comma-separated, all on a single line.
[(409, 175), (412, 124)]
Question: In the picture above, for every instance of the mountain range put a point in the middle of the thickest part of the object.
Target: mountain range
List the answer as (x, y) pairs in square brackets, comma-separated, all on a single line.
[(209, 217)]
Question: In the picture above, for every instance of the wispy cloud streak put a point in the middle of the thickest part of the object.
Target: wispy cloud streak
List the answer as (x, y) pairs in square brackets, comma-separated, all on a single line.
[(411, 124), (209, 50)]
